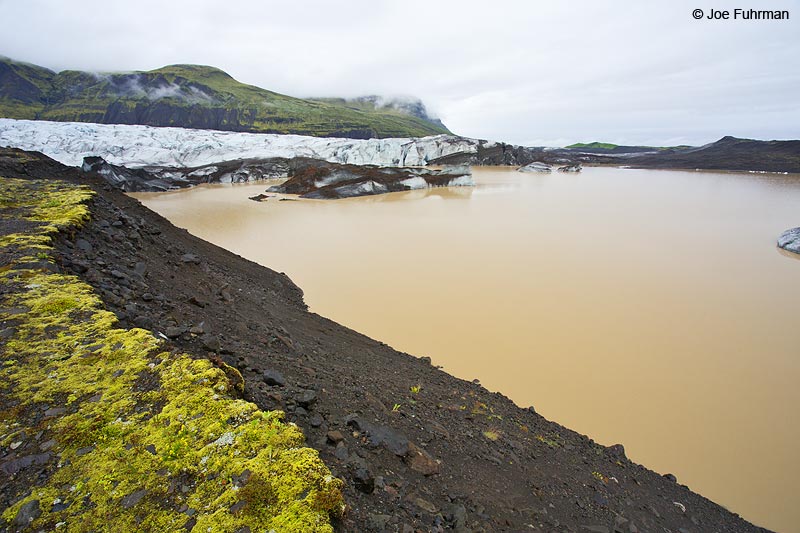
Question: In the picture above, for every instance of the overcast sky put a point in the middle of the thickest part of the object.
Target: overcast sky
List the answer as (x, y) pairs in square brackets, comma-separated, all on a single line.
[(527, 72)]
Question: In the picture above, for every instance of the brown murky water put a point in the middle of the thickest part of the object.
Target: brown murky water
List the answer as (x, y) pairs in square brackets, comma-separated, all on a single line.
[(650, 308)]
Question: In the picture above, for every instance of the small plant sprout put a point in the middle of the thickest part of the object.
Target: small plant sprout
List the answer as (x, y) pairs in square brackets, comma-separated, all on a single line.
[(396, 408), (415, 389), (492, 434), (550, 442)]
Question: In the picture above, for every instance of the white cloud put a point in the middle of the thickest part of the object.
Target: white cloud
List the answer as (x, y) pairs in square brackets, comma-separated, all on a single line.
[(525, 72)]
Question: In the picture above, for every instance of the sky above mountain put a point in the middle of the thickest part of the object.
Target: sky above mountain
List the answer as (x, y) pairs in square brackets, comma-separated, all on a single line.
[(531, 73)]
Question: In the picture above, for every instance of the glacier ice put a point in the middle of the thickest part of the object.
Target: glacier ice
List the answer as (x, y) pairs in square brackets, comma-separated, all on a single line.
[(141, 146), (416, 182), (461, 181)]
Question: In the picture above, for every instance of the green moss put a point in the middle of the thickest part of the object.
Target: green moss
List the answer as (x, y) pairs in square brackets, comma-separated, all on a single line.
[(492, 434), (551, 440), (139, 420), (10, 108)]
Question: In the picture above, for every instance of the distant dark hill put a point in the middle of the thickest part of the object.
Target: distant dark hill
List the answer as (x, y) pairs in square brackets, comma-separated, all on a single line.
[(193, 96), (728, 153)]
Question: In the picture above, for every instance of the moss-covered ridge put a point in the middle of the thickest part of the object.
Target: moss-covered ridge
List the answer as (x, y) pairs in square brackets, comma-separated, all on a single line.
[(138, 438)]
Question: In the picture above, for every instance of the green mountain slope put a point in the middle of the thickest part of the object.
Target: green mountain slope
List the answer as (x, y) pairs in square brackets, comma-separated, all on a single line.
[(602, 148), (190, 96), (596, 145), (397, 105)]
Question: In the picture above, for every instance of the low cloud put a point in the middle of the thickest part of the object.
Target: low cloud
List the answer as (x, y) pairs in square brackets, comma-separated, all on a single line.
[(138, 86)]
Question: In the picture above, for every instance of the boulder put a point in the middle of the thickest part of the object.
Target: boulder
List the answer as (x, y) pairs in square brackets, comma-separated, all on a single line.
[(334, 437), (306, 399), (378, 435), (274, 378), (29, 512), (190, 258), (421, 461), (364, 481), (133, 498), (173, 332)]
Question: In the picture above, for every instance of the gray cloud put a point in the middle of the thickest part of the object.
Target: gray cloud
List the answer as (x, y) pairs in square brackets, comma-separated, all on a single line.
[(525, 72)]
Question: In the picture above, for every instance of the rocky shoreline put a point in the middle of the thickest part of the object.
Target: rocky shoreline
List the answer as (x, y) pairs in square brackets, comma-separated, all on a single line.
[(418, 449)]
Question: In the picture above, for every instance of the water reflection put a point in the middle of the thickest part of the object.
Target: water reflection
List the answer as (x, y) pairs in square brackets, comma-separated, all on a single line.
[(788, 254), (441, 193)]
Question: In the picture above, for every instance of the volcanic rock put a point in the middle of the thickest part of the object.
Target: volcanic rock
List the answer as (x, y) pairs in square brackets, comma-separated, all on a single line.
[(323, 180)]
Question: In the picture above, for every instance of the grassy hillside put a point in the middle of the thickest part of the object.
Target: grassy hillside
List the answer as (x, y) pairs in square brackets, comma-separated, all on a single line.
[(405, 106), (599, 147), (594, 145), (191, 96)]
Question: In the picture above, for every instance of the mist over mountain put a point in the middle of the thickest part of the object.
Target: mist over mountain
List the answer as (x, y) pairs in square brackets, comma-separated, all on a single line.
[(203, 97), (407, 105)]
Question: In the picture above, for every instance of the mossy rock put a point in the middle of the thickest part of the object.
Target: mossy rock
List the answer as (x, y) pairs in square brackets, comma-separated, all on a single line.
[(142, 435)]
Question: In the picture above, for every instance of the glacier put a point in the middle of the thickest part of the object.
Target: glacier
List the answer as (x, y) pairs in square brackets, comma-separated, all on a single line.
[(142, 146)]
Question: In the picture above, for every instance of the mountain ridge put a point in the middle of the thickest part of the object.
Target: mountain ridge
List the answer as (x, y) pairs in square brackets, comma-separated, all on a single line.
[(727, 153), (191, 96)]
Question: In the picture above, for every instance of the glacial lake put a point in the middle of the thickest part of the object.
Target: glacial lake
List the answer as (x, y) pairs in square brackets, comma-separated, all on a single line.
[(644, 307)]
